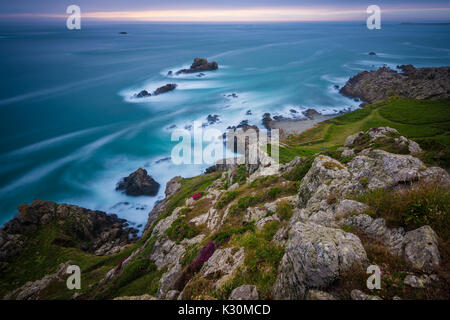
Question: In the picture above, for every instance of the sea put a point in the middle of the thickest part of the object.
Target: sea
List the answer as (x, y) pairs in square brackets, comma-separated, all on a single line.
[(71, 126)]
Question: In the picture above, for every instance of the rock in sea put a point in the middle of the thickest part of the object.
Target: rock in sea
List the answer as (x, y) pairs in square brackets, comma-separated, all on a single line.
[(139, 183)]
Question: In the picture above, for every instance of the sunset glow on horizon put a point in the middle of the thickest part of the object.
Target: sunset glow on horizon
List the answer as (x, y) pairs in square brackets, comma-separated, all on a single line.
[(237, 15)]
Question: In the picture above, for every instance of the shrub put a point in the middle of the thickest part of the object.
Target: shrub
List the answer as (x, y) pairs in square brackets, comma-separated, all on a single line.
[(134, 270), (180, 230), (412, 207), (248, 201), (226, 199), (300, 171), (284, 210), (241, 175), (274, 192), (330, 165), (225, 234), (203, 255), (364, 181)]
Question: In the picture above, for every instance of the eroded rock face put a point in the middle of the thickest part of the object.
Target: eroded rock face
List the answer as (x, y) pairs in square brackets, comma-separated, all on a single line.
[(139, 183), (420, 83), (200, 65), (91, 231), (315, 256), (222, 263), (244, 292)]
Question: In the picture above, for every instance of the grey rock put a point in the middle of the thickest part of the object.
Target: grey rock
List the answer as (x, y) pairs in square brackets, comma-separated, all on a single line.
[(359, 295), (222, 264), (349, 206), (319, 295), (138, 183), (315, 256), (172, 295), (244, 292), (417, 83), (417, 282), (421, 249)]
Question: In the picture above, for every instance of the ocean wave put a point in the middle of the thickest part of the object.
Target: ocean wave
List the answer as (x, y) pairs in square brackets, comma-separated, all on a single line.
[(49, 143), (43, 170)]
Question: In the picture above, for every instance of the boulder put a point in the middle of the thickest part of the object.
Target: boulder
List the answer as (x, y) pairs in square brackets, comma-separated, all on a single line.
[(143, 94), (349, 206), (200, 65), (315, 256), (311, 113), (222, 264), (359, 295), (139, 183), (244, 292), (168, 87), (421, 249), (417, 282)]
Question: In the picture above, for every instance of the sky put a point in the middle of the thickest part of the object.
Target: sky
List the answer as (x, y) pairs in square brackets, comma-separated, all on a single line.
[(227, 10)]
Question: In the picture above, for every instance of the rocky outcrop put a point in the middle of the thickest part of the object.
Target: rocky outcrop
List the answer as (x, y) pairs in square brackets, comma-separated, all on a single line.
[(88, 230), (222, 264), (315, 256), (363, 141), (417, 83), (168, 87), (143, 94), (311, 113), (200, 65), (139, 183)]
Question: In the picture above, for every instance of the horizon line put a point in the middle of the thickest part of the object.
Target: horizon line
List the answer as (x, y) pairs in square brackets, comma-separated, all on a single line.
[(229, 15)]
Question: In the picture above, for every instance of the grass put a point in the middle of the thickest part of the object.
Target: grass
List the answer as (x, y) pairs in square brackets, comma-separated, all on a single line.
[(262, 258), (189, 187), (41, 257), (331, 165), (427, 122), (284, 210), (393, 271), (180, 230), (412, 207), (226, 199)]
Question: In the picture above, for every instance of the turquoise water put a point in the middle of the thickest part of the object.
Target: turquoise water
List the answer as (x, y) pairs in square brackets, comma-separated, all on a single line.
[(70, 129)]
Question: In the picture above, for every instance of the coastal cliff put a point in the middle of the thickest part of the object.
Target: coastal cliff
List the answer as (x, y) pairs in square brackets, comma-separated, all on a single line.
[(411, 82), (369, 187)]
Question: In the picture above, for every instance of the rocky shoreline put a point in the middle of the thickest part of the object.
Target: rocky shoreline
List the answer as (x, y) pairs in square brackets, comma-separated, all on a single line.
[(195, 244), (411, 82)]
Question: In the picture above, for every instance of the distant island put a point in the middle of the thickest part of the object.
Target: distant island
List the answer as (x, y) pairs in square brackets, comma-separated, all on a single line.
[(427, 23)]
